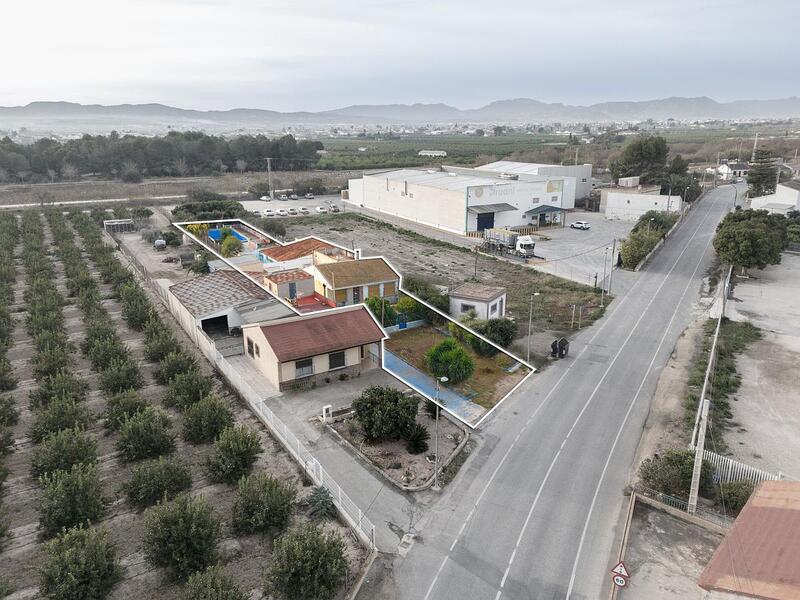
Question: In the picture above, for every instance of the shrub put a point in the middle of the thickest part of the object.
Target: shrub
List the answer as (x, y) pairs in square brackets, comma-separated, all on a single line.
[(307, 564), (205, 420), (62, 450), (61, 413), (417, 439), (186, 388), (734, 495), (158, 345), (62, 384), (181, 535), (671, 474), (81, 564), (120, 407), (174, 363), (382, 310), (449, 359), (212, 584), (385, 413), (501, 331), (320, 503), (231, 246), (7, 379), (146, 434), (106, 350), (408, 307), (51, 360), (235, 451), (9, 415), (70, 498), (121, 375), (156, 480), (262, 503), (637, 246)]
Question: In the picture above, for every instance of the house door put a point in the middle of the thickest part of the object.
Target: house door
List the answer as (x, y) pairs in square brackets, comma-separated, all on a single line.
[(292, 290), (485, 221), (356, 295)]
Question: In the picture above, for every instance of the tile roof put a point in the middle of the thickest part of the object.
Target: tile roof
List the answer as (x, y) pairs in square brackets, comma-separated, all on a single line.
[(296, 249), (216, 291), (477, 291), (311, 335), (760, 555), (349, 273), (286, 276)]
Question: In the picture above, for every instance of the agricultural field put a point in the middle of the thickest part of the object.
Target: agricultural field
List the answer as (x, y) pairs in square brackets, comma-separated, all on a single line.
[(131, 471)]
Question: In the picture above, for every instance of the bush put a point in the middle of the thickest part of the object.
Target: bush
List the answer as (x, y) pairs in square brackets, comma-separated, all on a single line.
[(417, 439), (449, 359), (181, 535), (120, 407), (186, 388), (235, 451), (81, 564), (156, 480), (409, 307), (146, 434), (212, 584), (637, 246), (121, 375), (70, 498), (51, 360), (307, 564), (733, 495), (501, 331), (205, 420), (174, 363), (231, 246), (671, 474), (382, 310), (106, 350), (158, 345), (385, 413), (9, 415), (62, 450), (61, 413), (7, 379), (262, 503), (62, 384), (320, 503)]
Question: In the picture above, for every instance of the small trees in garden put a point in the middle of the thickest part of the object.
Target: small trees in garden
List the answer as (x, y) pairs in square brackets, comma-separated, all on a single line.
[(61, 450), (671, 474), (146, 434), (155, 480), (174, 363), (385, 413), (61, 413), (262, 503), (320, 503), (231, 246), (206, 419), (501, 331), (212, 584), (382, 310), (81, 564), (235, 451), (70, 498), (121, 406), (122, 374), (417, 439), (449, 359), (307, 564), (733, 495), (181, 535), (186, 388)]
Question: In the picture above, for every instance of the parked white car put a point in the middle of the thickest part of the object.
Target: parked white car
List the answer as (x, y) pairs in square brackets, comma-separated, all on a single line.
[(292, 211), (265, 198), (268, 212), (283, 197), (309, 196), (303, 210), (322, 210), (282, 212), (293, 197), (580, 225)]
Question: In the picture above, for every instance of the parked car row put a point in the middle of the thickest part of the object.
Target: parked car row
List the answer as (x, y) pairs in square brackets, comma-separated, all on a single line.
[(294, 212), (285, 197)]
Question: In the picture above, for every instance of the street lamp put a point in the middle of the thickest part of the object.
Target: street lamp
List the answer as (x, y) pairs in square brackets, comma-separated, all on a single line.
[(530, 323), (648, 223), (436, 442)]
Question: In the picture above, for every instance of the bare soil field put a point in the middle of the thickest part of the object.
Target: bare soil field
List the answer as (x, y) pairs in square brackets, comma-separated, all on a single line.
[(242, 557)]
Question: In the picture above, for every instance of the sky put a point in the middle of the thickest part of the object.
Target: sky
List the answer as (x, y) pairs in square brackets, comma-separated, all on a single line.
[(294, 55)]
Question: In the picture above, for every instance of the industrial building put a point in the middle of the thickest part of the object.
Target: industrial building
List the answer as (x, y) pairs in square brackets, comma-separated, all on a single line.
[(462, 200), (628, 204), (582, 174)]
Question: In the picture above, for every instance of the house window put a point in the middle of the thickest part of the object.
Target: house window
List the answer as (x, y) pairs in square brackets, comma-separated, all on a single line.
[(303, 368), (554, 198), (389, 289), (251, 348), (335, 360), (374, 291), (583, 180), (501, 305), (493, 308), (535, 201), (467, 307)]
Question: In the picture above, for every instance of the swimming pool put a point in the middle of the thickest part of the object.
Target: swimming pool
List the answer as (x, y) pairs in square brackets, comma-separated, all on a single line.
[(216, 235)]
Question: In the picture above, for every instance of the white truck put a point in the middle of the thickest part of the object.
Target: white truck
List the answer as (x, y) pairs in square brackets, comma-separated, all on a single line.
[(509, 242)]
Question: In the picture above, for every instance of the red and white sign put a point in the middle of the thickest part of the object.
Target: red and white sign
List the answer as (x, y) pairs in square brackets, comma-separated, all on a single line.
[(620, 570), (619, 581)]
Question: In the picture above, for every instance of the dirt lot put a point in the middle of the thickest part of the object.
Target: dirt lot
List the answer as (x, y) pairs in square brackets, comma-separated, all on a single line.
[(244, 558), (447, 264), (767, 434), (665, 556)]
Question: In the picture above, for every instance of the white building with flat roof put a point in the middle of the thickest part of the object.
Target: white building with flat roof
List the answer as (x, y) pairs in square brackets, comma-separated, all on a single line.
[(628, 204), (786, 198), (458, 200), (582, 174)]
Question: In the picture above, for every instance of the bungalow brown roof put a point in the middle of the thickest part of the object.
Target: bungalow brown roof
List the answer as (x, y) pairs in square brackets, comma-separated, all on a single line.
[(290, 275), (295, 250), (216, 291), (351, 273), (308, 336), (758, 557)]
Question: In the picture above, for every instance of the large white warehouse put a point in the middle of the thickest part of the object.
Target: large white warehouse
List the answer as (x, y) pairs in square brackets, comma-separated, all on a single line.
[(581, 173), (460, 200)]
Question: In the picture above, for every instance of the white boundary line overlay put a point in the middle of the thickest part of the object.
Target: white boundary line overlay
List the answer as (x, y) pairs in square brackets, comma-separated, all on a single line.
[(182, 227)]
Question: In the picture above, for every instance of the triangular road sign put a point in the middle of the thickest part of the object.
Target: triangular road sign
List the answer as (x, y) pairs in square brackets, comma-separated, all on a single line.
[(620, 569)]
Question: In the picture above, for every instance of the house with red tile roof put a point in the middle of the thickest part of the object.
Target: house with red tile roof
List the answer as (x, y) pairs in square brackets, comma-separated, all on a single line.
[(312, 349)]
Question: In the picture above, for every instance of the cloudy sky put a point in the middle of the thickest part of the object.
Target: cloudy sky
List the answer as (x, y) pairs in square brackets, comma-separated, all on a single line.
[(321, 54)]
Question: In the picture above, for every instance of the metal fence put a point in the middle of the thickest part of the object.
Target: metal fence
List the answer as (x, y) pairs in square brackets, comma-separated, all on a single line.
[(726, 469), (683, 505)]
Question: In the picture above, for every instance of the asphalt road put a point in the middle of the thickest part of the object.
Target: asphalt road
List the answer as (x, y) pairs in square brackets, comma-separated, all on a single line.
[(535, 512)]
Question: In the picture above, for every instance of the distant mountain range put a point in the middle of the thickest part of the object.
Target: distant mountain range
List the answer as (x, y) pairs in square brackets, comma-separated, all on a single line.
[(66, 117)]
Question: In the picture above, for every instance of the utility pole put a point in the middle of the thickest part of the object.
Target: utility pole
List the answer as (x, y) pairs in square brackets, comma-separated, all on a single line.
[(530, 325), (576, 157), (436, 442), (755, 145), (269, 178), (603, 282), (613, 263)]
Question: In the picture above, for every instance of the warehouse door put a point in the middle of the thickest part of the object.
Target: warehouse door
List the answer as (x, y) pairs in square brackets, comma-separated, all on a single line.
[(485, 221)]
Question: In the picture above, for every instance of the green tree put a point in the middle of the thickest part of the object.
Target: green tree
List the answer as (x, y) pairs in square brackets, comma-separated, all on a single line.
[(235, 451), (751, 239), (307, 564), (385, 413), (146, 434), (61, 413), (645, 156), (382, 310), (212, 584), (262, 503), (232, 246), (206, 419), (733, 495), (763, 174), (449, 359), (155, 480), (120, 407), (61, 450), (70, 498), (671, 473)]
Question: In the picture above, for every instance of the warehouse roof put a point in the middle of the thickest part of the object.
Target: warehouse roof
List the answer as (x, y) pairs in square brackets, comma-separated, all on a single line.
[(477, 291), (491, 208), (438, 179), (351, 273), (510, 166), (217, 291), (758, 557), (308, 336)]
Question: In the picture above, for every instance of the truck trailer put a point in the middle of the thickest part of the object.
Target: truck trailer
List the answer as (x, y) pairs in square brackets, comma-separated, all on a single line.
[(509, 242)]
